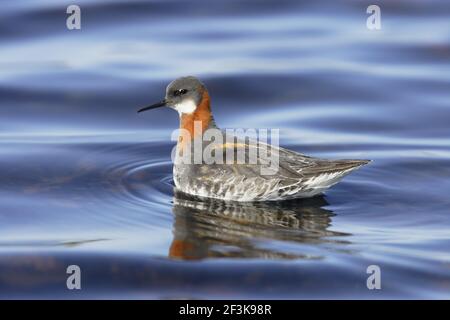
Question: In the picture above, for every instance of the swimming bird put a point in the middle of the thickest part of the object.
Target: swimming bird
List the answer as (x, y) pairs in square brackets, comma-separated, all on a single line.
[(239, 179)]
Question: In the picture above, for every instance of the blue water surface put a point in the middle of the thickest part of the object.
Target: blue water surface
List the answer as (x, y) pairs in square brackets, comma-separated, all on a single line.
[(84, 180)]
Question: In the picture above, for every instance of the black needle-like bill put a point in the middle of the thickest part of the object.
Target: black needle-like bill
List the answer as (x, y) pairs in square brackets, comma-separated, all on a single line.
[(159, 104)]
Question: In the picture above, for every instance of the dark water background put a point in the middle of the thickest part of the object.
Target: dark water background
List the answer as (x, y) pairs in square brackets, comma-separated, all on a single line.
[(84, 180)]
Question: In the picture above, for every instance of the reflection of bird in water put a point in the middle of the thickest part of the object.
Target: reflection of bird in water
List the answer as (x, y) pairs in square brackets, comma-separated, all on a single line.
[(214, 228)]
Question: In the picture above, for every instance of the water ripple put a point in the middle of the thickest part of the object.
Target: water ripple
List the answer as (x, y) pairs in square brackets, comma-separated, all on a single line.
[(85, 180)]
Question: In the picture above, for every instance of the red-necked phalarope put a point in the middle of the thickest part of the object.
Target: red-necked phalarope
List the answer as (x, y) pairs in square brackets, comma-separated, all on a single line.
[(296, 175)]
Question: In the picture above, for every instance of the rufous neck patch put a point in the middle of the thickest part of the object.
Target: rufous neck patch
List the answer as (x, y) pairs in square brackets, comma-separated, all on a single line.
[(202, 115)]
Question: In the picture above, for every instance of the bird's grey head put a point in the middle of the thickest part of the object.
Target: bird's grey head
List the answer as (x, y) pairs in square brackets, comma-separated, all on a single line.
[(183, 94)]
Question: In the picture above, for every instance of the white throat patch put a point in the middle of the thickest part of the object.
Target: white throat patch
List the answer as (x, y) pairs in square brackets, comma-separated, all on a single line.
[(187, 106)]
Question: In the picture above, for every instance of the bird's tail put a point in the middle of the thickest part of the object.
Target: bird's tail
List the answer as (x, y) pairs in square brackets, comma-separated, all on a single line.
[(344, 165), (330, 172)]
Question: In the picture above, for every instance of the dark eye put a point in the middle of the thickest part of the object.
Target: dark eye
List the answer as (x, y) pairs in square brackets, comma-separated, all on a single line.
[(180, 92)]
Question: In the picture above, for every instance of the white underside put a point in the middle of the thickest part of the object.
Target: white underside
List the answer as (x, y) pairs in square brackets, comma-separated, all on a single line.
[(251, 189)]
